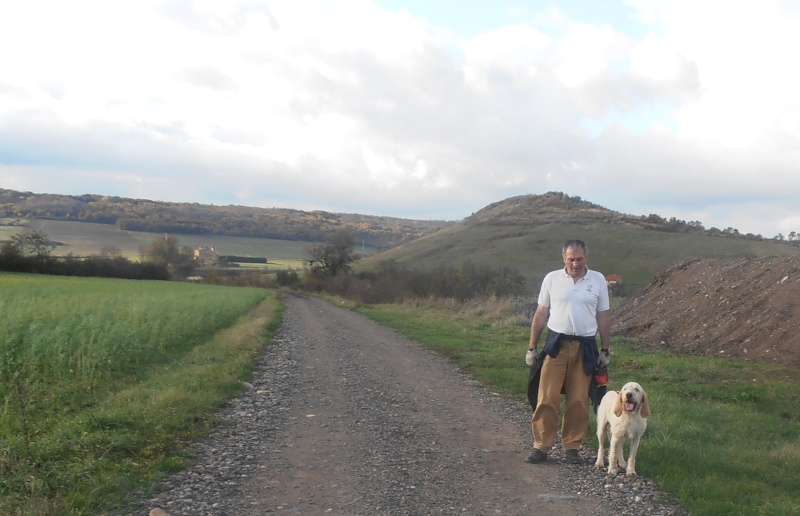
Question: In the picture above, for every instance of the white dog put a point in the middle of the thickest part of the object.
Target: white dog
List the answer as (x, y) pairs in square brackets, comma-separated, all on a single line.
[(625, 413)]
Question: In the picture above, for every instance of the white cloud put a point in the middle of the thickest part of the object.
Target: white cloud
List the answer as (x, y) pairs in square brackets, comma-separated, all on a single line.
[(584, 53), (656, 60), (744, 50), (347, 107)]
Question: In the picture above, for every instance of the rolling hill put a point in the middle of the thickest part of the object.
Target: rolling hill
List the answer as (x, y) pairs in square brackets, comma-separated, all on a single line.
[(524, 232), (527, 232)]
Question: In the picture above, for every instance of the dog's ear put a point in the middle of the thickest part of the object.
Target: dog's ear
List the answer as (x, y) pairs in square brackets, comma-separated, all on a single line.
[(645, 405), (618, 405)]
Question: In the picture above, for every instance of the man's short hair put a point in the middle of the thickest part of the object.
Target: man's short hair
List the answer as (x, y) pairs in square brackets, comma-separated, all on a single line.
[(575, 244)]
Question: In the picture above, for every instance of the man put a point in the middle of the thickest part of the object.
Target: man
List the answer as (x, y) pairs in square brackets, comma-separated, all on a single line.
[(573, 304)]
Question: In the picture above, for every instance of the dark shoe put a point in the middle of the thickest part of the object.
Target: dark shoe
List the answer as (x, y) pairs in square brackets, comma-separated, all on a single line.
[(536, 456), (573, 457)]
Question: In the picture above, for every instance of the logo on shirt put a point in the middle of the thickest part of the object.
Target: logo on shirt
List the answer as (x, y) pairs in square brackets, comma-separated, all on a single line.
[(589, 288)]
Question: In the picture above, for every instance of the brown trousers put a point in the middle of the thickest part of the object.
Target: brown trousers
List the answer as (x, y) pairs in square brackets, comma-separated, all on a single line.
[(565, 370)]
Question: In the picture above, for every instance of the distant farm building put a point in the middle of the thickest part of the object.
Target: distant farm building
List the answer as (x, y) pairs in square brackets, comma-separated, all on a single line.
[(613, 279), (242, 259), (206, 256)]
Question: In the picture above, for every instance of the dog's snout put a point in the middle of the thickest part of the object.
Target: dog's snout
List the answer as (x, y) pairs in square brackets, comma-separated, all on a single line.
[(629, 395)]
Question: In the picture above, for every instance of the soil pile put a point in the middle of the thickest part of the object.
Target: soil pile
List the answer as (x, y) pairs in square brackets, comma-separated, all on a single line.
[(746, 308)]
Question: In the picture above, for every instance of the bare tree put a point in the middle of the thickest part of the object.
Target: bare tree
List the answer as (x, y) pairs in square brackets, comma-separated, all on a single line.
[(334, 256), (33, 243)]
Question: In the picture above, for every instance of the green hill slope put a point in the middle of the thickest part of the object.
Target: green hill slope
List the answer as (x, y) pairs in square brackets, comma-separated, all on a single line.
[(527, 233), (142, 215)]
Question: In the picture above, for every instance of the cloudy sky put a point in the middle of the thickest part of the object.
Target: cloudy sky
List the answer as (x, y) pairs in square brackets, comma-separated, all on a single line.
[(427, 109)]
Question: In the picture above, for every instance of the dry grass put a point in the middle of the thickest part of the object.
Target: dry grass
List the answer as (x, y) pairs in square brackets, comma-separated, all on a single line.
[(503, 311)]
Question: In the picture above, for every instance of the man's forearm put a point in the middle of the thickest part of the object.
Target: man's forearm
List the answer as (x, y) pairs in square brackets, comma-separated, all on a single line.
[(537, 326), (604, 328)]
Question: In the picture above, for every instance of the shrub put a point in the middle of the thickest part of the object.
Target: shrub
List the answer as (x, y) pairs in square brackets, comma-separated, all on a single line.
[(392, 283)]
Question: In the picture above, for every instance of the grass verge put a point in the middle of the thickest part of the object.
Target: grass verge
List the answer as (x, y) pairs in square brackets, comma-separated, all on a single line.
[(723, 437)]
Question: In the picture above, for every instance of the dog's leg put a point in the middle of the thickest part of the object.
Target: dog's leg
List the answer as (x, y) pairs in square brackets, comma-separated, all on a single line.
[(614, 449), (620, 453), (601, 439), (631, 468)]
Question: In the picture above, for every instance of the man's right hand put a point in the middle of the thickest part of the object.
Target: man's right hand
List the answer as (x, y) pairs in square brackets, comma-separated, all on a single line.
[(603, 359), (531, 356)]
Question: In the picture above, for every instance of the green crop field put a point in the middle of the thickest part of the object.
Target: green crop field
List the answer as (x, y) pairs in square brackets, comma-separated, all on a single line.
[(101, 380)]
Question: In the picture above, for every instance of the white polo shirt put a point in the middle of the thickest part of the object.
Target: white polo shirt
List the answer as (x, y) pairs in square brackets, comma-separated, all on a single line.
[(574, 305)]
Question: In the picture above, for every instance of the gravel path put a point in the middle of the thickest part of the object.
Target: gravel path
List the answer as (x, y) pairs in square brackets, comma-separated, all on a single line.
[(346, 417)]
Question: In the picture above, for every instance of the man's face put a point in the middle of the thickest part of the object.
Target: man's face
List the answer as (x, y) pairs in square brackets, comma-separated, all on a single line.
[(575, 262)]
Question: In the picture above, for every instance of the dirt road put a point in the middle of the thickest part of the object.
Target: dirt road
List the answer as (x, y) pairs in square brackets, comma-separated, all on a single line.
[(347, 417)]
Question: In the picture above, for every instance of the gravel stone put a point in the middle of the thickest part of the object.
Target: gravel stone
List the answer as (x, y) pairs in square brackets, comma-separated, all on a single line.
[(346, 417)]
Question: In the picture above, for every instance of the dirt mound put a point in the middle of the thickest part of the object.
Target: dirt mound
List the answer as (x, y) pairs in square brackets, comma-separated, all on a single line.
[(746, 308)]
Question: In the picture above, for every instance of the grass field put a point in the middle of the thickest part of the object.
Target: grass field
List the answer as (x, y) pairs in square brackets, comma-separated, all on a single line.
[(82, 239), (85, 238), (723, 437), (104, 381)]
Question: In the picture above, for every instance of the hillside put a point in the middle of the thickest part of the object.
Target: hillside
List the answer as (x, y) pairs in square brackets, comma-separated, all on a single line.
[(524, 232), (746, 308), (143, 215), (527, 233)]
